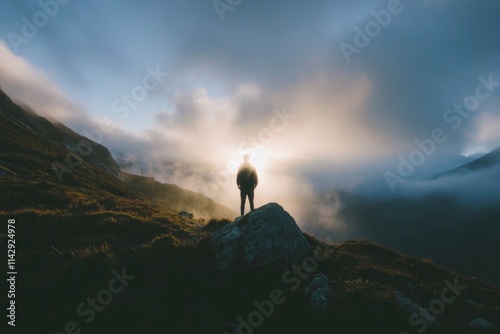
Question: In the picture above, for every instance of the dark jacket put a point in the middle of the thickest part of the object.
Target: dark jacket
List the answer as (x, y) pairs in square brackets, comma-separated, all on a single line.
[(247, 177)]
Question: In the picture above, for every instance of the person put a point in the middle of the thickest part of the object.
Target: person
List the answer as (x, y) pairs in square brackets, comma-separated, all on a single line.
[(247, 181)]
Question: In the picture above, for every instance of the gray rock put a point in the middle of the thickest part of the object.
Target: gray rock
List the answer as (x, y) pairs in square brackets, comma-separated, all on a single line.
[(319, 291), (320, 299), (318, 281), (480, 323), (259, 238), (412, 307)]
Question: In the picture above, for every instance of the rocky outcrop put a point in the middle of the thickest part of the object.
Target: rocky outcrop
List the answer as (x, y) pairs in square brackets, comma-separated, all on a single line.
[(259, 238)]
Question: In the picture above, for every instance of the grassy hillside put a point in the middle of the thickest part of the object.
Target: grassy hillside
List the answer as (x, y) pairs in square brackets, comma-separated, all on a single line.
[(37, 156), (176, 289)]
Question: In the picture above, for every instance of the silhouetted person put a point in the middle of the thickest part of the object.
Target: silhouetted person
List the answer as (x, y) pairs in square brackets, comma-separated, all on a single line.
[(247, 181)]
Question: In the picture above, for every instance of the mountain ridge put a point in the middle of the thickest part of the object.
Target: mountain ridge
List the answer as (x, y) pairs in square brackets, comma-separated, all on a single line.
[(485, 161)]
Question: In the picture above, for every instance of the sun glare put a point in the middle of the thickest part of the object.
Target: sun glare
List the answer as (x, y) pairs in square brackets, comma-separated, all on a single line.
[(260, 161)]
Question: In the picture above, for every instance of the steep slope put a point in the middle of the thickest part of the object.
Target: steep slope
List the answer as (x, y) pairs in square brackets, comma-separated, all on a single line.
[(486, 161), (36, 153)]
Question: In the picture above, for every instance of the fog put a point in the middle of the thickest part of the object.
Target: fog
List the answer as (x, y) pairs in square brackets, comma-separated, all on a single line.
[(271, 81)]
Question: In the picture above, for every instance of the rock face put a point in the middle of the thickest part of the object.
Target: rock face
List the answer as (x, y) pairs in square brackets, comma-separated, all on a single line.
[(259, 238)]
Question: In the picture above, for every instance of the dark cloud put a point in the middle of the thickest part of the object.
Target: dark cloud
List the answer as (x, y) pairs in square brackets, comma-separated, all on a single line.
[(426, 59), (228, 76)]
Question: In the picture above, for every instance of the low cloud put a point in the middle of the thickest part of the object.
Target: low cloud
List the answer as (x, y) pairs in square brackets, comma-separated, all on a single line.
[(476, 189), (486, 134), (35, 87)]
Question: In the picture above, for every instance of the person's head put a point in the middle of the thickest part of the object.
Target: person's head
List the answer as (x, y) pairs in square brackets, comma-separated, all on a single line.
[(246, 158)]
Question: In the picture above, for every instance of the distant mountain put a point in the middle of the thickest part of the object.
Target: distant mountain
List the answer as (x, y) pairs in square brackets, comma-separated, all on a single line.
[(485, 161), (35, 152), (475, 156)]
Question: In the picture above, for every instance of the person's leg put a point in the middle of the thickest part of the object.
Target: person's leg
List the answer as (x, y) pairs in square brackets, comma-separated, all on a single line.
[(250, 199), (243, 196)]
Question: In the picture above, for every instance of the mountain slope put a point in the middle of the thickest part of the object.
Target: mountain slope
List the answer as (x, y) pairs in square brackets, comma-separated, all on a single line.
[(34, 151), (486, 161)]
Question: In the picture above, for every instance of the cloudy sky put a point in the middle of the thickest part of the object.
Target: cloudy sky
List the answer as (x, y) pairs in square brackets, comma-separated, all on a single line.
[(321, 92)]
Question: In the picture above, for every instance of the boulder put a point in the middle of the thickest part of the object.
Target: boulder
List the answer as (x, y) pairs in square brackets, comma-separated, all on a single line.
[(480, 323), (319, 292), (259, 238)]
